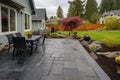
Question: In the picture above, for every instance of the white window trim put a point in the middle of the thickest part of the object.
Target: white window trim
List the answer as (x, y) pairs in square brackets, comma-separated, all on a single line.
[(0, 20), (8, 7), (29, 21)]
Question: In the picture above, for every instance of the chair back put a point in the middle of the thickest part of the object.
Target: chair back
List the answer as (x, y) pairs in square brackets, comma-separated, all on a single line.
[(10, 38), (18, 34), (19, 42)]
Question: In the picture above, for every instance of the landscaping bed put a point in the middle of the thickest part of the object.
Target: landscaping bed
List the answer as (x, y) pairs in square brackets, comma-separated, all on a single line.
[(107, 64)]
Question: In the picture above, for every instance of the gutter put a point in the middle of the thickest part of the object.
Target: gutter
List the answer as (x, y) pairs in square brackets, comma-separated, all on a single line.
[(32, 6)]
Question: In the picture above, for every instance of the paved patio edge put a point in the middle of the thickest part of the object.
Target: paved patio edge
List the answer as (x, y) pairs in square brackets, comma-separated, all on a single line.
[(99, 71)]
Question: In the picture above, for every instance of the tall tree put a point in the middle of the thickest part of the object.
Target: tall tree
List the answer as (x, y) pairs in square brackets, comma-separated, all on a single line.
[(91, 9), (107, 5), (70, 10), (76, 8), (59, 12), (116, 4)]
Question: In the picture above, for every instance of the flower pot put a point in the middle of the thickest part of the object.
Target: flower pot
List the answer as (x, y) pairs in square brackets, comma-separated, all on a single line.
[(29, 36)]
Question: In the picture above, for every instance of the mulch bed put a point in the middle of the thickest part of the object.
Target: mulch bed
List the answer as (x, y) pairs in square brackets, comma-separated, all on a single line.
[(108, 64)]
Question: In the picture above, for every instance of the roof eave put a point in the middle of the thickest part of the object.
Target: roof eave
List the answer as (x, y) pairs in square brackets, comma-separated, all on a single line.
[(32, 7)]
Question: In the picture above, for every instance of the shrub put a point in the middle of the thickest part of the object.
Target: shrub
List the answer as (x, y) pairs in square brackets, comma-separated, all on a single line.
[(71, 23), (109, 41), (111, 22), (54, 35)]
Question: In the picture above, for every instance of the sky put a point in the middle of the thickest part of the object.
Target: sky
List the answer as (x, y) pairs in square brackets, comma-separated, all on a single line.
[(52, 5)]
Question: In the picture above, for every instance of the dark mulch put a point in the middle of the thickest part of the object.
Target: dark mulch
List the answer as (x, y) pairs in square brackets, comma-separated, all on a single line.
[(108, 64), (110, 49)]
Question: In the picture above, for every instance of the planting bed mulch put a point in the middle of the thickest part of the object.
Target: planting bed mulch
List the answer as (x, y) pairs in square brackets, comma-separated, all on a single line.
[(108, 64)]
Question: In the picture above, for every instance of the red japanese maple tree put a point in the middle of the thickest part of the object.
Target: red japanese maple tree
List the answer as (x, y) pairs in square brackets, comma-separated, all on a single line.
[(71, 23)]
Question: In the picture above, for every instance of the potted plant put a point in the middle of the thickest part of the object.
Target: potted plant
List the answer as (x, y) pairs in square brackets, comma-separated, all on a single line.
[(29, 33)]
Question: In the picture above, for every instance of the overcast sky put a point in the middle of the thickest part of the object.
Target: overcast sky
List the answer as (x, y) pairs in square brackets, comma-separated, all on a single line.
[(52, 5)]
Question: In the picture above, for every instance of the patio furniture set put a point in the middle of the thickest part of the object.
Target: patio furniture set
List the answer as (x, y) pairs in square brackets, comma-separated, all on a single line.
[(21, 44)]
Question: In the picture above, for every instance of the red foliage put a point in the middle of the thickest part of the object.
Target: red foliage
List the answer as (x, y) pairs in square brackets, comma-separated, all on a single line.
[(71, 23)]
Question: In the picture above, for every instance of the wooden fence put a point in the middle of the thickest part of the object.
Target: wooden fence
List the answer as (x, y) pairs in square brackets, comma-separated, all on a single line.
[(82, 27), (90, 26)]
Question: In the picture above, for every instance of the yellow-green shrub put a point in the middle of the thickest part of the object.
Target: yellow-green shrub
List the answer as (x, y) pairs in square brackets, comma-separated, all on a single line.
[(54, 35), (109, 41), (111, 22)]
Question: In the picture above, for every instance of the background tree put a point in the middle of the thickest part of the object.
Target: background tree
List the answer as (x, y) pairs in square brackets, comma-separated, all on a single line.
[(116, 4), (59, 12), (76, 8), (106, 5), (95, 17), (91, 9), (70, 10)]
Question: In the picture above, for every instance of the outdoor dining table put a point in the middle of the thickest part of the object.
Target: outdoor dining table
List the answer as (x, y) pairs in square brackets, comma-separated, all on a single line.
[(32, 40)]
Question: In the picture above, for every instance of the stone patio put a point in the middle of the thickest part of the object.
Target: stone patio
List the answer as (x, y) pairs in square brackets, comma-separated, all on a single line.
[(62, 59)]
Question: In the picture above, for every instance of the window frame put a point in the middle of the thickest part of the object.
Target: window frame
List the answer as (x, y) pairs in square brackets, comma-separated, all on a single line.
[(28, 14), (9, 8)]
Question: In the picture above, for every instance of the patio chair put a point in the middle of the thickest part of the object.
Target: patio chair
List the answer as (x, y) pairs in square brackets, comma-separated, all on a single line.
[(19, 45), (42, 42), (10, 41), (18, 34)]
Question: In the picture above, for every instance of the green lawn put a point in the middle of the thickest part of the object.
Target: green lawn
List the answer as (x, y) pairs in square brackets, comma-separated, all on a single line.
[(100, 35)]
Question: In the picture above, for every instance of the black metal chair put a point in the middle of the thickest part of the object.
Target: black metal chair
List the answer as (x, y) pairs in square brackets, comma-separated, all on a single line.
[(42, 42), (19, 45), (18, 34), (10, 41)]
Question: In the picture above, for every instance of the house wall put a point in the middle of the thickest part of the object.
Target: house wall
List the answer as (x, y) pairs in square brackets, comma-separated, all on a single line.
[(36, 25), (20, 17)]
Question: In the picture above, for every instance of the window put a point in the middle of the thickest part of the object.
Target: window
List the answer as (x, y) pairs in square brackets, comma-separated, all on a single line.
[(12, 20), (27, 21), (4, 20), (8, 19)]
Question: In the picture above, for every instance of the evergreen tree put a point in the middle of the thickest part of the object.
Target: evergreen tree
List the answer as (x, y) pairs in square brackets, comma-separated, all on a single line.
[(59, 12), (76, 8), (107, 5), (70, 10), (116, 4), (91, 9)]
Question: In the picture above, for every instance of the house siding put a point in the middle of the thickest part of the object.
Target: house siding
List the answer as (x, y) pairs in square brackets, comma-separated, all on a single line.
[(20, 27), (26, 4), (20, 19), (36, 25)]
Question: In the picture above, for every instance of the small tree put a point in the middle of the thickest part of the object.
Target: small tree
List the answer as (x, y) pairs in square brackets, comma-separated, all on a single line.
[(59, 12), (71, 23), (111, 22)]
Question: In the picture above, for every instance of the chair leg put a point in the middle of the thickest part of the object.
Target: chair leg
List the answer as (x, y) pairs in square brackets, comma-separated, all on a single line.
[(8, 50), (13, 55), (36, 47)]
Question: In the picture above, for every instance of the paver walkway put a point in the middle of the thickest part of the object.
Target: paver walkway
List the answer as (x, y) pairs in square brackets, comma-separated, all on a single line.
[(64, 59)]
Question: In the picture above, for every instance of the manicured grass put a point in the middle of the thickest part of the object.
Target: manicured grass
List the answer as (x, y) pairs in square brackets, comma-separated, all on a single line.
[(100, 35)]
